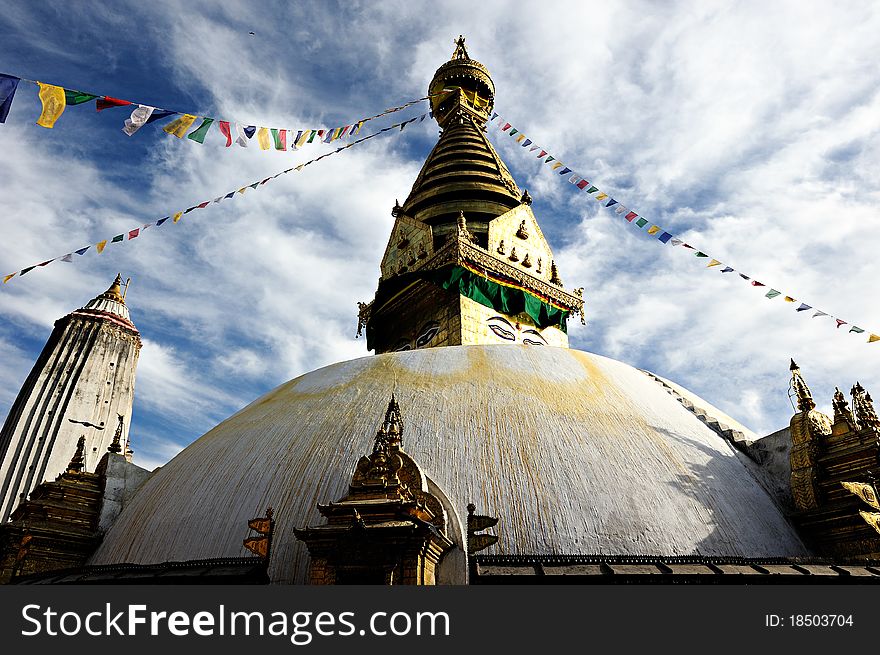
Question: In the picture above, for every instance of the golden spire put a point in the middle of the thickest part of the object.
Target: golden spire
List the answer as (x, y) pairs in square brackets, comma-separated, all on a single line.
[(802, 391), (115, 290), (863, 408), (116, 445), (460, 51)]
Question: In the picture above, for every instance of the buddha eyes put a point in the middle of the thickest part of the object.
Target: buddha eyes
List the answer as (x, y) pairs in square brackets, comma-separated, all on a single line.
[(429, 331), (532, 342), (501, 332), (401, 346)]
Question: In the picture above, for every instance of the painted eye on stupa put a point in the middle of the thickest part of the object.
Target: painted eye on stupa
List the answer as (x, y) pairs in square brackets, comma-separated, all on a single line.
[(502, 328), (402, 345), (535, 339), (428, 332)]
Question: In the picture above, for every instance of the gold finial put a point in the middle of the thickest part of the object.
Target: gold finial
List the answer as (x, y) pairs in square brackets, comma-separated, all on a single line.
[(462, 228), (392, 426), (526, 198), (802, 391), (116, 445), (78, 462), (460, 51), (863, 408), (395, 211)]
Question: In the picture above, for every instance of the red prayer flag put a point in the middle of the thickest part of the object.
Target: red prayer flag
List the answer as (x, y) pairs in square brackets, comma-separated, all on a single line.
[(103, 102), (225, 131), (133, 233), (839, 322), (630, 216), (541, 156), (204, 204), (582, 184), (755, 283), (506, 127)]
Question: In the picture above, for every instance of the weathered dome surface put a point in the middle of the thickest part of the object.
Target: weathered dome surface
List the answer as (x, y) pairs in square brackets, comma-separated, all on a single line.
[(573, 452)]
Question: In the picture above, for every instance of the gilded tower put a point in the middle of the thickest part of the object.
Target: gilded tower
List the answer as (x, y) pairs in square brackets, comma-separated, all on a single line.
[(82, 385), (466, 262)]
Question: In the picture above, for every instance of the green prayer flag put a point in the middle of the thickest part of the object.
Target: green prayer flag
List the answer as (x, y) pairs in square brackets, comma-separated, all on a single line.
[(772, 293), (701, 254), (118, 237), (549, 159), (276, 135), (592, 189), (199, 133), (641, 222), (72, 97)]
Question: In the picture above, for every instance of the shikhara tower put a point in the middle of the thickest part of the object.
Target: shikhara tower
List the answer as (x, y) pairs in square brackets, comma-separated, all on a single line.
[(466, 262), (81, 385)]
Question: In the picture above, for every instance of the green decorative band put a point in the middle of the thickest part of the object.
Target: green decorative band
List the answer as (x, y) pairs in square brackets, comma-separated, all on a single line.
[(504, 296)]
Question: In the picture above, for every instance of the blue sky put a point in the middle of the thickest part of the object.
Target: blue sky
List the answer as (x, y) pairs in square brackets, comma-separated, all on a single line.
[(749, 129)]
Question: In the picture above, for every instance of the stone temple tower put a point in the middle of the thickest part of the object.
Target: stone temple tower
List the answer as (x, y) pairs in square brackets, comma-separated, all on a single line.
[(81, 385)]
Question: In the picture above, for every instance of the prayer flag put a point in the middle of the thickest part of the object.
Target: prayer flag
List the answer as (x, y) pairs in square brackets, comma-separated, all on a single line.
[(312, 135), (871, 339), (611, 202), (133, 233), (839, 322), (665, 237), (204, 204), (176, 217), (526, 143), (772, 294), (162, 220), (159, 114), (601, 196), (117, 238), (855, 329), (678, 242), (25, 270), (804, 307), (642, 222), (533, 148), (6, 279), (556, 165), (712, 263), (582, 184), (82, 251), (263, 139), (280, 138), (494, 116), (357, 128), (137, 119), (100, 246), (189, 209), (250, 130), (565, 170), (198, 134), (755, 283), (8, 85), (73, 98), (789, 299), (701, 254), (105, 102), (746, 277), (241, 137), (225, 131), (300, 138), (53, 101), (592, 189), (549, 159), (819, 313), (506, 127), (542, 154), (47, 262), (231, 194), (520, 138), (630, 216), (180, 125), (620, 210)]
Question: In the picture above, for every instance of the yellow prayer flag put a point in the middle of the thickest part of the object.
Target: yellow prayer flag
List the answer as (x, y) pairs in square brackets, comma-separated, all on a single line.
[(654, 229), (241, 190), (12, 275), (263, 138), (556, 165), (54, 102), (521, 138), (602, 196), (789, 299), (180, 125), (300, 141), (300, 167), (101, 245), (714, 262), (873, 338), (177, 217)]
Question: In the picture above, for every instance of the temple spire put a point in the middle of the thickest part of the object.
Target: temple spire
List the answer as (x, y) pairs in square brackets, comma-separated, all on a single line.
[(116, 445), (460, 50), (801, 390), (78, 461)]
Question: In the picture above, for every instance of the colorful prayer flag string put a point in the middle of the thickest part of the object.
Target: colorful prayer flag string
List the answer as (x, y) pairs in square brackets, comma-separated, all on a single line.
[(656, 231), (133, 233), (56, 99)]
